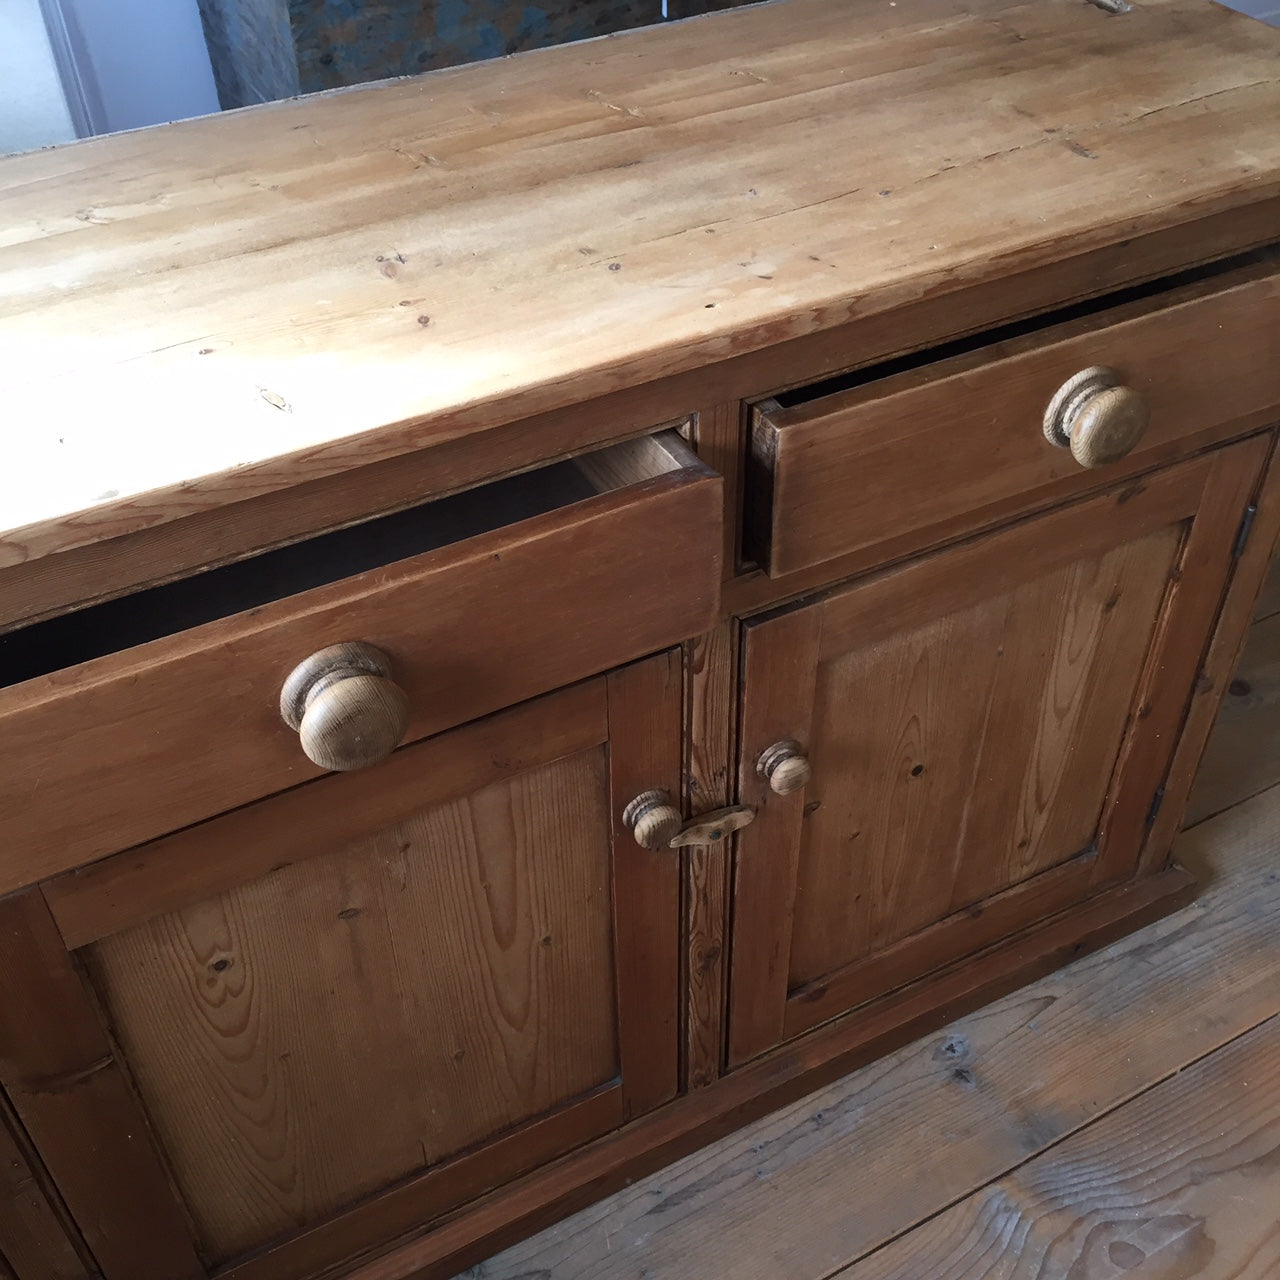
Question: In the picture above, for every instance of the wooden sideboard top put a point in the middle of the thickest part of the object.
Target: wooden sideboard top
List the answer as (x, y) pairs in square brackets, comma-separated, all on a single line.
[(203, 312)]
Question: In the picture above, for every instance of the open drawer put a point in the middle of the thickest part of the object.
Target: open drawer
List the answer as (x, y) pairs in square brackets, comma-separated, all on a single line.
[(923, 448), (140, 716)]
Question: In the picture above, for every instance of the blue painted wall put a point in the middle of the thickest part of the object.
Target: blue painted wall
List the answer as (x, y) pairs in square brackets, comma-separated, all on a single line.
[(264, 49), (251, 49), (342, 42)]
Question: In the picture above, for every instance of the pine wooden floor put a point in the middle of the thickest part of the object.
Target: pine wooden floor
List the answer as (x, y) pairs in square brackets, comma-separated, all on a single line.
[(1120, 1118)]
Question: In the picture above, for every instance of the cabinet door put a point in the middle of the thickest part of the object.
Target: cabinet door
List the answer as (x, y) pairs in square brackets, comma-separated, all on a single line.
[(301, 1029), (988, 729)]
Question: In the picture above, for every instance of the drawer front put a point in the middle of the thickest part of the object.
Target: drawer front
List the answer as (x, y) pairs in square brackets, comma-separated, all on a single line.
[(929, 451), (122, 748)]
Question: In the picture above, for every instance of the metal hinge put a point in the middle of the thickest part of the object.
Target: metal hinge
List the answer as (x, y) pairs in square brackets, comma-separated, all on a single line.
[(1246, 528), (1154, 812)]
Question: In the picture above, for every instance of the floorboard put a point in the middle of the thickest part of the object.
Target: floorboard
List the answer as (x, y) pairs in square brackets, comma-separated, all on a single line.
[(1184, 1181), (826, 1182)]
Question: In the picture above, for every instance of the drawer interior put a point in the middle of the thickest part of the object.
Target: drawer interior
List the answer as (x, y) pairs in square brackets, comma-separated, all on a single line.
[(986, 339), (906, 452), (122, 623)]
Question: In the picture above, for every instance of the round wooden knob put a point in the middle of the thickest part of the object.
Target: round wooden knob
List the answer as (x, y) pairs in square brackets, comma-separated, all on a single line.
[(347, 710), (652, 819), (1096, 416), (785, 767)]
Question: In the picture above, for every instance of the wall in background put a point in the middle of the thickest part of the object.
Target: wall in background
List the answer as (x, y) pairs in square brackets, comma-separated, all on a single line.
[(251, 48), (122, 64), (341, 42), (33, 110), (144, 61)]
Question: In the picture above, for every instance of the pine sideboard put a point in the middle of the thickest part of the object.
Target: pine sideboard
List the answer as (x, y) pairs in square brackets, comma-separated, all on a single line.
[(550, 607)]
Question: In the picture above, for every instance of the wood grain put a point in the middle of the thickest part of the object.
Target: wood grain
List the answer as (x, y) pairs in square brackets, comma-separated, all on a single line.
[(321, 817), (1060, 644), (158, 743), (1183, 1181), (1184, 634), (1220, 660), (645, 710), (754, 591), (923, 447), (710, 688), (1243, 755), (777, 699), (772, 1082), (79, 1108), (942, 942), (842, 1172), (36, 1238), (458, 952), (877, 607), (404, 1208), (161, 268), (710, 697), (719, 434), (193, 535), (978, 753)]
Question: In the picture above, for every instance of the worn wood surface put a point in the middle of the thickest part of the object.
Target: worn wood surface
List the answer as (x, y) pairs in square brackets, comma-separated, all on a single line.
[(1240, 602), (77, 1103), (36, 1237), (646, 706), (672, 1131), (980, 753), (263, 516), (427, 1195), (470, 628), (1184, 1181), (488, 931), (459, 951), (710, 691), (926, 446), (213, 857), (157, 273), (1067, 643), (777, 694), (755, 591), (1243, 755), (850, 1168), (719, 435), (711, 676), (1183, 638)]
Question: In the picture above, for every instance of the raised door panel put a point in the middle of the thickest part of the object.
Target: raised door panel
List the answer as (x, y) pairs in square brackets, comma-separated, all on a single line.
[(988, 729), (348, 1009), (441, 974), (980, 743)]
